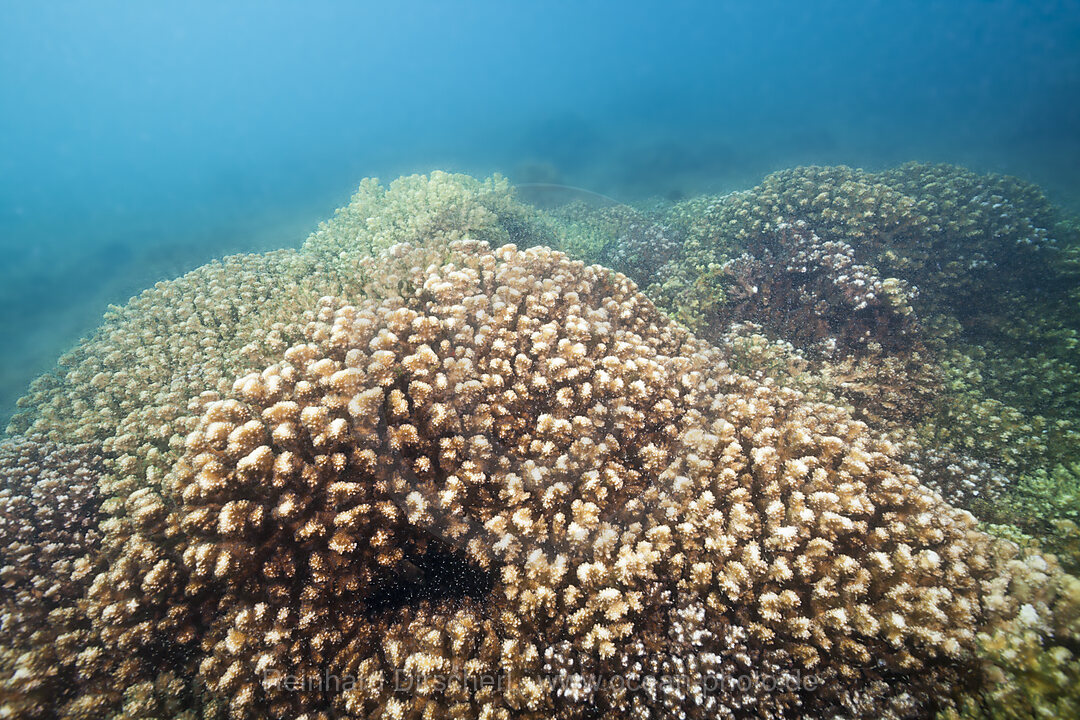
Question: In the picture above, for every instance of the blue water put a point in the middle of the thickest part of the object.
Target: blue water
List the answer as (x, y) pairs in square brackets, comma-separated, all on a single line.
[(138, 140)]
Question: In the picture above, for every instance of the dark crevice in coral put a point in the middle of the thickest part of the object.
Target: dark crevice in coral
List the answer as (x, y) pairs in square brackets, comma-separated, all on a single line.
[(439, 574)]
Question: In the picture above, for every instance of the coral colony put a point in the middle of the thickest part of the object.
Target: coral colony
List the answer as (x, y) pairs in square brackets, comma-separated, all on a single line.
[(805, 451)]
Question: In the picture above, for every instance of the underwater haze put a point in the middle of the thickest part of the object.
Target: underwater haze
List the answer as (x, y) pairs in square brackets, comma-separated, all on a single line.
[(540, 360), (138, 140)]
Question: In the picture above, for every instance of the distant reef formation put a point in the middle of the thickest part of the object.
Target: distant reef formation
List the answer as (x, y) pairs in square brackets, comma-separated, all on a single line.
[(808, 450)]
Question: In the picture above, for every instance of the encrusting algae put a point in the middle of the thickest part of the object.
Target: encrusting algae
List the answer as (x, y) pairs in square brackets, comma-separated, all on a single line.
[(415, 470)]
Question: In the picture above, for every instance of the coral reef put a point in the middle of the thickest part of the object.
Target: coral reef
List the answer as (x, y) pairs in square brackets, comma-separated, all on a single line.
[(400, 472), (423, 208), (136, 388), (49, 499), (621, 237), (932, 301), (50, 536), (1046, 504), (1030, 659), (519, 469), (808, 290)]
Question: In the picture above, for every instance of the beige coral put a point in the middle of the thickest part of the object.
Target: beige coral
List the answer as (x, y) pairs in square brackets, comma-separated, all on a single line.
[(443, 465), (605, 494), (49, 553), (139, 383)]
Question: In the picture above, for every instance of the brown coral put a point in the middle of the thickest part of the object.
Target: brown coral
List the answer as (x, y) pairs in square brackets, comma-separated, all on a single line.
[(603, 499), (806, 290), (49, 542), (48, 520), (138, 385), (500, 484), (929, 299)]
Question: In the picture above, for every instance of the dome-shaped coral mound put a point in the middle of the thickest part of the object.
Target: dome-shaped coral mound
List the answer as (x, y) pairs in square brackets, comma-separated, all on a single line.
[(500, 484), (519, 491), (487, 425)]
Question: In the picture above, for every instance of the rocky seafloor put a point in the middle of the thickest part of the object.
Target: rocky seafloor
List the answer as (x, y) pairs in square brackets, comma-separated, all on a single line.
[(806, 450)]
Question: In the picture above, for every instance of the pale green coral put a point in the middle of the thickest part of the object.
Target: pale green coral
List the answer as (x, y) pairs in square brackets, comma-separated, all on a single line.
[(1029, 681), (1030, 656), (440, 206), (584, 231), (1046, 504)]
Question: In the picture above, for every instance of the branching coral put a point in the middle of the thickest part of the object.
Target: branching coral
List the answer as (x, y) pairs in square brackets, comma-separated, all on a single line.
[(931, 300), (49, 541), (627, 500), (443, 480), (806, 290), (138, 384), (1030, 655), (631, 504), (1046, 504), (422, 208), (620, 237), (399, 434), (48, 520), (944, 243)]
